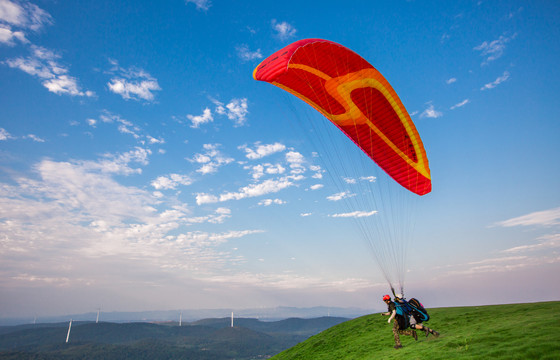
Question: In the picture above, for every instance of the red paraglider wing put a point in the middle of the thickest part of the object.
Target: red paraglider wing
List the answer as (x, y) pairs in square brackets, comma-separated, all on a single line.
[(353, 95)]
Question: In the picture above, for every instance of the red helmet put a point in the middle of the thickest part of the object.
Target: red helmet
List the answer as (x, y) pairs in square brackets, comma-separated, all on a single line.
[(386, 297)]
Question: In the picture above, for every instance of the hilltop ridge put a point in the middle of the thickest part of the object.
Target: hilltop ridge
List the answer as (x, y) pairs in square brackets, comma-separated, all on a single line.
[(189, 315)]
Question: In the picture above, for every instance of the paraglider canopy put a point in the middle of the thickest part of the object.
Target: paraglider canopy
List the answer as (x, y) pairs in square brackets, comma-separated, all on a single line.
[(353, 95)]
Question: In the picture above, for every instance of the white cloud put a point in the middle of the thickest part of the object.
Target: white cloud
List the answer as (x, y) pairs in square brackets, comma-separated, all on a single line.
[(497, 260), (370, 179), (44, 65), (496, 82), (135, 90), (284, 31), (318, 171), (247, 55), (132, 83), (539, 218), (355, 214), (23, 15), (541, 250), (65, 187), (257, 171), (430, 112), (260, 170), (198, 120), (253, 190), (65, 84), (202, 198), (268, 202), (545, 242), (126, 127), (219, 216), (295, 161), (494, 49), (4, 135), (274, 169), (201, 158), (70, 224), (200, 4), (450, 81), (119, 163), (237, 111), (339, 196), (153, 140), (123, 126), (8, 37), (34, 138), (16, 17), (502, 264), (292, 281), (51, 281), (171, 181), (316, 186), (461, 104), (261, 150), (211, 160), (109, 118), (11, 12)]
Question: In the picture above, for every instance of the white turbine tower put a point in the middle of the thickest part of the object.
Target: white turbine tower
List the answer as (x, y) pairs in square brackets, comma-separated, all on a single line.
[(232, 319), (97, 318), (181, 318), (69, 328)]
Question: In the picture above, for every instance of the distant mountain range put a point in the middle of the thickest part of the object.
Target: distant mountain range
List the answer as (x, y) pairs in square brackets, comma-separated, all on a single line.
[(212, 338), (265, 314)]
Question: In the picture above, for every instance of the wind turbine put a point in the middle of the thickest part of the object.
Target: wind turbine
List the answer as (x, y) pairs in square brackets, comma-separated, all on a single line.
[(97, 319), (69, 328)]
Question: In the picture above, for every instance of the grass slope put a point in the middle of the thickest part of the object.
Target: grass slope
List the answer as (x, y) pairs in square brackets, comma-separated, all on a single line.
[(516, 331)]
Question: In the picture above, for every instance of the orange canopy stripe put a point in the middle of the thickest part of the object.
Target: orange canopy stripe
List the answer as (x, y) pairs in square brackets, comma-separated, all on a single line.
[(353, 95)]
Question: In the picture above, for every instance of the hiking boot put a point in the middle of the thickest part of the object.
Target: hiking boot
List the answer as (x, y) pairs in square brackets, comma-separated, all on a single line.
[(414, 335), (436, 334), (426, 331), (398, 346)]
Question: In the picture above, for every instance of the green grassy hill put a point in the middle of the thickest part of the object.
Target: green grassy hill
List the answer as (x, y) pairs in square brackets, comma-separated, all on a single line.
[(517, 331)]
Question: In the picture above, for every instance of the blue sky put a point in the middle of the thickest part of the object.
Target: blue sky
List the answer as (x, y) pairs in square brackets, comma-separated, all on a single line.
[(142, 167)]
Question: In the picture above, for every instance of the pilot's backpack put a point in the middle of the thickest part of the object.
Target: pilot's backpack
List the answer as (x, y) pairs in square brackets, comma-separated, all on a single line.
[(418, 310)]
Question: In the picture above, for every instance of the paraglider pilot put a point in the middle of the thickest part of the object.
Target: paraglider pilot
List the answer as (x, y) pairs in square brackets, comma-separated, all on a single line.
[(398, 322), (404, 319)]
